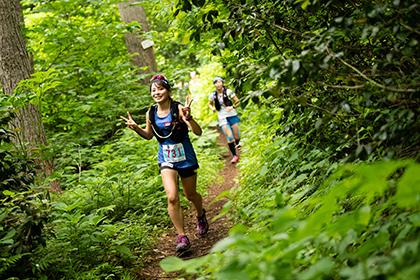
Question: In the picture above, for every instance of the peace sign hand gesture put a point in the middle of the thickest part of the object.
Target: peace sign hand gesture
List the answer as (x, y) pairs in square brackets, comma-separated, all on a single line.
[(186, 109), (129, 121)]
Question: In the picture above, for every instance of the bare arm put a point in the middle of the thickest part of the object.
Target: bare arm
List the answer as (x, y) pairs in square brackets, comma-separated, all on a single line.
[(145, 133), (194, 126), (236, 101), (211, 106)]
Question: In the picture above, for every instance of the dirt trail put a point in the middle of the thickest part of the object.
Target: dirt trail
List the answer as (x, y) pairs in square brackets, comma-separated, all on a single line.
[(200, 246)]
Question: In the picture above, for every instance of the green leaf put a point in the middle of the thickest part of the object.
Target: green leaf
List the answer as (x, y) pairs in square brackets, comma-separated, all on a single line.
[(317, 270), (305, 3), (408, 192), (295, 66), (402, 235), (124, 250), (8, 238), (375, 177), (8, 193), (415, 219), (380, 240), (224, 244), (232, 274), (364, 214), (283, 218), (171, 264), (348, 240), (263, 170)]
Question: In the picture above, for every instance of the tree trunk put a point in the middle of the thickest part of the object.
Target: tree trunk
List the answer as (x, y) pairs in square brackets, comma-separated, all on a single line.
[(15, 66), (143, 55)]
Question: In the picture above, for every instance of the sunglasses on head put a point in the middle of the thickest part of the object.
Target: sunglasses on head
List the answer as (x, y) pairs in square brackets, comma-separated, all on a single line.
[(159, 77)]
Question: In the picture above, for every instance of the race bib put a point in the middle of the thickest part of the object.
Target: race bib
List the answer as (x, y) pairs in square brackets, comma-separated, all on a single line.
[(173, 153)]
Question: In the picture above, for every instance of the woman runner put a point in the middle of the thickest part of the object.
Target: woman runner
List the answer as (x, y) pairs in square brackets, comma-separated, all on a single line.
[(170, 122), (221, 100)]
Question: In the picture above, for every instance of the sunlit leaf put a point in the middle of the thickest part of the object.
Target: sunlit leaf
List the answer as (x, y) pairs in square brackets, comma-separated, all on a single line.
[(408, 192), (170, 264), (318, 270)]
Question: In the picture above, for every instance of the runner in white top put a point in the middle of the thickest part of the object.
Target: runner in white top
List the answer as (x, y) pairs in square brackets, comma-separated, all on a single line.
[(221, 100)]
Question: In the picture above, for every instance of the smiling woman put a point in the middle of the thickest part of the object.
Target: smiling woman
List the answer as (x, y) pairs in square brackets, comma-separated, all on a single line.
[(169, 122)]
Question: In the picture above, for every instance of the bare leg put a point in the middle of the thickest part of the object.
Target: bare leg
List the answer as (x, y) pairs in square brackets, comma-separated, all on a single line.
[(235, 129), (189, 185), (229, 139), (228, 133), (170, 182)]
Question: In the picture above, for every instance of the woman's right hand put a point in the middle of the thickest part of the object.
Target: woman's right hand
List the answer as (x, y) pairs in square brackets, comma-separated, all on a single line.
[(129, 121)]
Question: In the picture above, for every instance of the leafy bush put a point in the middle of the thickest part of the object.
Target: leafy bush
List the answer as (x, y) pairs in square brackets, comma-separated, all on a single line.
[(342, 84), (332, 83), (359, 223), (24, 207), (84, 80), (110, 215)]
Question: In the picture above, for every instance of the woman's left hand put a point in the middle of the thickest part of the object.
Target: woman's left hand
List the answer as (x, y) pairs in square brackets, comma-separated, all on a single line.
[(186, 109)]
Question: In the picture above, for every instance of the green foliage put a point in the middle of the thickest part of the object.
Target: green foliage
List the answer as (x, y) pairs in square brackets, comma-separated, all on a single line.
[(324, 84), (328, 64), (176, 35), (110, 216), (84, 241), (335, 83), (357, 223), (83, 78), (24, 207), (113, 206)]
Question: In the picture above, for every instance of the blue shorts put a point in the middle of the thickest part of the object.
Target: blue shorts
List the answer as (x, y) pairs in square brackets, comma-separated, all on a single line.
[(232, 120)]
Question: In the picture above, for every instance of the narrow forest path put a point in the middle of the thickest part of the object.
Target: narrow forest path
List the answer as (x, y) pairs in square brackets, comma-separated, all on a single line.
[(200, 245)]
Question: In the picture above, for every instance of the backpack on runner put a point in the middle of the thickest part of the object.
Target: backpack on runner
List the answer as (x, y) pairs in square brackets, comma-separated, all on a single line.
[(226, 99), (178, 128)]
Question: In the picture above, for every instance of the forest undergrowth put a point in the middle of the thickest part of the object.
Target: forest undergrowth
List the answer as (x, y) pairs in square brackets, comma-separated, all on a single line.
[(314, 218), (328, 185)]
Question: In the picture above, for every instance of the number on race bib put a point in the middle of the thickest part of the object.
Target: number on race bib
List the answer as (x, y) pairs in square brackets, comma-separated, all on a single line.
[(173, 153)]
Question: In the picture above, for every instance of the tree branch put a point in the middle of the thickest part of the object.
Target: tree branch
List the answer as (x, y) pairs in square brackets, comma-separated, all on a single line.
[(286, 29), (410, 28), (369, 79), (344, 86), (274, 42)]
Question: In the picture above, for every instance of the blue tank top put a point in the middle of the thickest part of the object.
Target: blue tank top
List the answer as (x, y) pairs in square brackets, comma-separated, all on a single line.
[(176, 155)]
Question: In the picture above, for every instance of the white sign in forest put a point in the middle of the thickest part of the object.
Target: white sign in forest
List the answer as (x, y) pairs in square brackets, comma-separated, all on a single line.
[(147, 44)]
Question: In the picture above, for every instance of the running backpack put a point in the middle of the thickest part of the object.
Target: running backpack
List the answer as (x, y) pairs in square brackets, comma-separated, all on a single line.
[(226, 99), (178, 128)]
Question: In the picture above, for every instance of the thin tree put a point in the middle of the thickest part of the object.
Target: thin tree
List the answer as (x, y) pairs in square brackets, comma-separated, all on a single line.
[(141, 49), (15, 66)]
